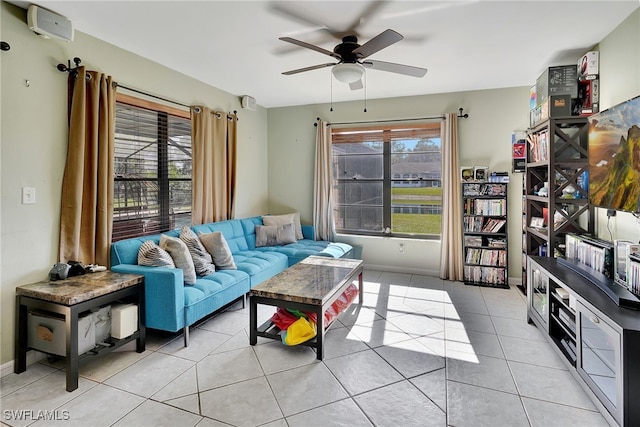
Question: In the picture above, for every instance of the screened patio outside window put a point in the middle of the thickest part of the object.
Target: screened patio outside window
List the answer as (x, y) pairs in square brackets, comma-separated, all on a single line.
[(153, 164), (388, 180)]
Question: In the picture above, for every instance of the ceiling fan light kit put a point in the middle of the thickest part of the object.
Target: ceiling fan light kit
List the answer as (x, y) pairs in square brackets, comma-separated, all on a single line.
[(348, 73)]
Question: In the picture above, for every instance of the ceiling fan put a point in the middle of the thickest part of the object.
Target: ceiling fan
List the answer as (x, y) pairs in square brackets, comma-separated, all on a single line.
[(352, 58)]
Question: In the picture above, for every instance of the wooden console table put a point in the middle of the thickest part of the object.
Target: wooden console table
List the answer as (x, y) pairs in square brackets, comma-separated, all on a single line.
[(70, 298)]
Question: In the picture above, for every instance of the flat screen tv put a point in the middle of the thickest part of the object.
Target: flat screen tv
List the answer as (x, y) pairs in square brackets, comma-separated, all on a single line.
[(614, 157)]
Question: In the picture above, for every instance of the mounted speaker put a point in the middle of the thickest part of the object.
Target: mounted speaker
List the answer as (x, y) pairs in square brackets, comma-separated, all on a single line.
[(248, 102), (48, 24)]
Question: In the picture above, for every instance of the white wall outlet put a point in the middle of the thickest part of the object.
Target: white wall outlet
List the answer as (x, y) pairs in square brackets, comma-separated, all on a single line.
[(401, 248), (28, 195)]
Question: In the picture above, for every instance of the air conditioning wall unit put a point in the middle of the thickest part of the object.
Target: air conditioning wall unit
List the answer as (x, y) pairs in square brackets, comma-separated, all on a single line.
[(49, 24)]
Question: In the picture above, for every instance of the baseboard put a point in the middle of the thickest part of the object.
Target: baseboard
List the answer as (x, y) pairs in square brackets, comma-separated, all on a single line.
[(515, 281), (395, 269), (32, 357)]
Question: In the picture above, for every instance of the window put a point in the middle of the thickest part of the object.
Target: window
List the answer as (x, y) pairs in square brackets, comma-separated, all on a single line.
[(388, 176), (152, 167)]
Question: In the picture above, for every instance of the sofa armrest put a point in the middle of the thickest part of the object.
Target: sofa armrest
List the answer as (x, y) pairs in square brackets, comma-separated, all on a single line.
[(163, 295)]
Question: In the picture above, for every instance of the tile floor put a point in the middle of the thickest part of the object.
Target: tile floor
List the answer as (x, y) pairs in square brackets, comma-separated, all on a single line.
[(419, 352)]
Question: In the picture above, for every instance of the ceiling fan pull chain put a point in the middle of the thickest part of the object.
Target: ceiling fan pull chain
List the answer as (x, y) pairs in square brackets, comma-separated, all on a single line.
[(331, 90), (365, 91)]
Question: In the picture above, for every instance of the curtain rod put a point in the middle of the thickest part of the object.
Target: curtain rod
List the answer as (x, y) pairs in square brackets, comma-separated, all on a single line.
[(460, 115), (383, 121), (151, 95), (74, 70), (196, 109)]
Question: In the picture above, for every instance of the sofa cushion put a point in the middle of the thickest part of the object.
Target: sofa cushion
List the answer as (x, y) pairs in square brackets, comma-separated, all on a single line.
[(293, 218), (152, 255), (202, 260), (270, 235), (217, 246), (181, 257), (260, 265)]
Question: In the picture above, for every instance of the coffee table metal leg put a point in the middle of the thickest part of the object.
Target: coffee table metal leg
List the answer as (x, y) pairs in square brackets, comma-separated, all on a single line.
[(253, 321), (360, 288), (320, 333)]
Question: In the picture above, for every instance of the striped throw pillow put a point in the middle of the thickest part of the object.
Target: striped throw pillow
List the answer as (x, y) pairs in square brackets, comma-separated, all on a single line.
[(202, 260), (152, 255)]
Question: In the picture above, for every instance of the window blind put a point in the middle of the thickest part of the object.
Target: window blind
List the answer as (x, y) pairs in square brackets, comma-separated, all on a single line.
[(152, 172)]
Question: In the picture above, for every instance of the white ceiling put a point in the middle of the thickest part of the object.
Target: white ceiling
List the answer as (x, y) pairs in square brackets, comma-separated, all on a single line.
[(466, 45)]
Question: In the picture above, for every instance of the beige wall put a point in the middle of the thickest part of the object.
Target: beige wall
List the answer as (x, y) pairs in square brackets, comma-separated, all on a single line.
[(33, 143)]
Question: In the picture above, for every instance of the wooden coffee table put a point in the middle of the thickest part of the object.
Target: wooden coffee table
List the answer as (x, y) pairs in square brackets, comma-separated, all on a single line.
[(311, 285)]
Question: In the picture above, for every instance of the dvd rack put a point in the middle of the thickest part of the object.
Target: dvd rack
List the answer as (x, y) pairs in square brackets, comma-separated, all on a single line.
[(485, 234), (590, 251), (562, 322)]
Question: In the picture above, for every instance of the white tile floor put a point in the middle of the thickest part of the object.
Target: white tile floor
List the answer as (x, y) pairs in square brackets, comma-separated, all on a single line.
[(419, 352)]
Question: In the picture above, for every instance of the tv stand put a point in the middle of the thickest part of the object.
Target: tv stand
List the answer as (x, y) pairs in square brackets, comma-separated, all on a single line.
[(618, 294), (598, 339)]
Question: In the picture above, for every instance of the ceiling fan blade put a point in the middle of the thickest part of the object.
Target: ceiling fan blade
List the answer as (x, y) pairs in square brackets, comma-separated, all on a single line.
[(310, 46), (392, 67), (305, 16), (313, 67), (379, 42), (356, 85), (370, 10), (292, 12)]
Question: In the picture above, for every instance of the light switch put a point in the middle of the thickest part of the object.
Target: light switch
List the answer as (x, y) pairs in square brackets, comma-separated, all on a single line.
[(28, 195)]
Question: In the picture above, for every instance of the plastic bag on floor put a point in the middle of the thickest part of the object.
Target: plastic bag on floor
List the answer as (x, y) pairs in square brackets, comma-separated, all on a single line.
[(341, 303), (282, 318), (299, 331)]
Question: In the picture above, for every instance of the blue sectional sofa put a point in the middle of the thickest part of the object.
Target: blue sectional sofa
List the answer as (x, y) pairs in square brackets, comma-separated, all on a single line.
[(170, 305)]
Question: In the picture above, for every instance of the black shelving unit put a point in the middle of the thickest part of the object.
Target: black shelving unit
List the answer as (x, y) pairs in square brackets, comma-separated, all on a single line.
[(485, 243), (557, 154)]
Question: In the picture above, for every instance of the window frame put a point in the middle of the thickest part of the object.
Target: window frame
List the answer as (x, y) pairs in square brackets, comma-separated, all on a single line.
[(162, 179), (414, 129)]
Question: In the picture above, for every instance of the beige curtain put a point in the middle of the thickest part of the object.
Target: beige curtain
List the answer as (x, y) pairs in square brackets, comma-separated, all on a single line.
[(322, 185), (214, 139), (86, 216), (451, 244)]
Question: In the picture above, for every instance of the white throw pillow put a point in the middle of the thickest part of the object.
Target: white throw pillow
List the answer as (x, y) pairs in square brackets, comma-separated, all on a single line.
[(201, 258), (217, 246), (293, 218), (181, 257), (153, 255)]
